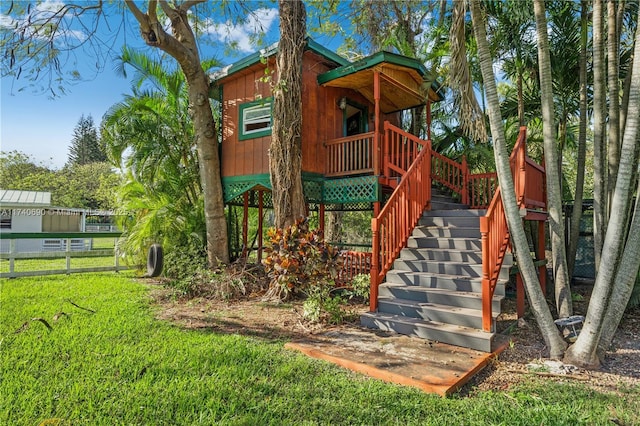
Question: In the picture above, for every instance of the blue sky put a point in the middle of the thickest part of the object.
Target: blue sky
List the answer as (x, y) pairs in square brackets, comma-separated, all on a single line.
[(41, 127)]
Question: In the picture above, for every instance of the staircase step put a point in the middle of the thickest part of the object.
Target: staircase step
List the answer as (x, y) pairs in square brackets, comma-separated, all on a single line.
[(450, 282), (447, 205), (454, 213), (446, 333), (447, 268), (461, 299), (447, 255), (438, 231), (445, 243), (434, 312), (451, 221)]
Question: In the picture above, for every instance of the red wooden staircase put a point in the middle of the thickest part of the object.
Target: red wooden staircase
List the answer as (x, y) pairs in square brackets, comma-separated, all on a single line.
[(445, 262)]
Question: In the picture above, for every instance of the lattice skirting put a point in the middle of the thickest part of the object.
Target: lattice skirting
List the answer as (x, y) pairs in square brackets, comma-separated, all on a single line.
[(347, 194)]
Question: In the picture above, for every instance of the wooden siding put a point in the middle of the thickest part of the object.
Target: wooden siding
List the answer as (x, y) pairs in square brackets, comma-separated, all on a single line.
[(322, 120)]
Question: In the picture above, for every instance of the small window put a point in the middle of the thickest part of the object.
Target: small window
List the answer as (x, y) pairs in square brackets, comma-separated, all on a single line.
[(5, 219), (255, 119)]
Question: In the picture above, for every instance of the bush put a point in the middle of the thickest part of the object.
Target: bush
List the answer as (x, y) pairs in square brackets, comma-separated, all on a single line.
[(297, 259), (185, 259)]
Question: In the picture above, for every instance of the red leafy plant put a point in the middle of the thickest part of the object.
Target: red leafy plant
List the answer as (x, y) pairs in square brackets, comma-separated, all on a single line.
[(297, 258)]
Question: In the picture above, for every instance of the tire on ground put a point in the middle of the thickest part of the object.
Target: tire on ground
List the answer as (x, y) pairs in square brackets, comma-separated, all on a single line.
[(154, 261)]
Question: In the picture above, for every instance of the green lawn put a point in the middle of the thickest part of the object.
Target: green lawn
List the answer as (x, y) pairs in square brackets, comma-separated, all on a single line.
[(121, 366)]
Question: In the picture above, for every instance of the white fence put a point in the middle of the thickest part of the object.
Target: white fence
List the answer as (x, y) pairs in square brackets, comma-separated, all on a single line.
[(32, 254)]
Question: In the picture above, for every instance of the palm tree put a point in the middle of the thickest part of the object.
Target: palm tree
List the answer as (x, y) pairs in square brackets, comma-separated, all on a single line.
[(150, 136), (620, 251), (519, 241), (554, 195)]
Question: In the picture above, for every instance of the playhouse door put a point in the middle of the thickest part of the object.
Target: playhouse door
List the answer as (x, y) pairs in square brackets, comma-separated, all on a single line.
[(355, 119)]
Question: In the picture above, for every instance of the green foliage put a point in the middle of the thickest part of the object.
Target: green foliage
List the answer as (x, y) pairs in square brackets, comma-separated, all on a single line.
[(150, 137), (297, 259), (90, 186), (186, 257), (157, 217), (85, 145), (361, 286)]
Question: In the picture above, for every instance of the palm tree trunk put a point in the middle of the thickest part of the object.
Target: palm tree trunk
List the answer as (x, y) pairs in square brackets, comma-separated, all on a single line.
[(614, 97), (606, 304), (536, 298), (554, 195), (599, 147), (576, 216)]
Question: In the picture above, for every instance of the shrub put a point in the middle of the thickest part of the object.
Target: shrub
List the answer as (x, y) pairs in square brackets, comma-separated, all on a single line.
[(297, 259)]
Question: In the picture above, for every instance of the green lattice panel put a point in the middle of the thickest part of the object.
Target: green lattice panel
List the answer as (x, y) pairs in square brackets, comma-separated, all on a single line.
[(349, 207), (267, 202), (238, 185), (351, 190), (312, 190)]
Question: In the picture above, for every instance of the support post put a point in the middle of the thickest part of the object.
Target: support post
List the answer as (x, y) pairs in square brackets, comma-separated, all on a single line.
[(542, 269), (321, 218), (486, 281), (245, 226), (428, 114), (260, 223), (465, 180), (375, 264), (376, 124), (68, 255), (519, 295)]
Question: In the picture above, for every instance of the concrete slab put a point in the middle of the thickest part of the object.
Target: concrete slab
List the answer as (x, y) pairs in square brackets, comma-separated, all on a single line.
[(430, 366)]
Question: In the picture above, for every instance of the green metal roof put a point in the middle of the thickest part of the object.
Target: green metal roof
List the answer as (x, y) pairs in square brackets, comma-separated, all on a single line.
[(371, 61), (272, 50), (376, 59)]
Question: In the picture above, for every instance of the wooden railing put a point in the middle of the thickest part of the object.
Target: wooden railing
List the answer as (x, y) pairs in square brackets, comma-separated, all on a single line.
[(451, 174), (530, 183), (350, 155), (353, 263), (393, 226), (399, 151), (482, 187)]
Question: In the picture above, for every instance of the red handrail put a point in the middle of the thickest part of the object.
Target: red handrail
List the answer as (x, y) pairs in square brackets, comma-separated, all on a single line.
[(400, 150), (392, 227), (529, 183)]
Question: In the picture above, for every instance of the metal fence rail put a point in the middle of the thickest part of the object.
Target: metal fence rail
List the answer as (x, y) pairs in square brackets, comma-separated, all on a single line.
[(43, 248)]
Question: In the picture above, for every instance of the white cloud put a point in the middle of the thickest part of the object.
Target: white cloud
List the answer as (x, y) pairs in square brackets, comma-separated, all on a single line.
[(7, 21), (40, 14), (241, 34), (49, 6)]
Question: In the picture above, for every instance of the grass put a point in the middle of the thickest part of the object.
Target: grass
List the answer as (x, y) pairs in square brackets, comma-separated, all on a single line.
[(120, 365)]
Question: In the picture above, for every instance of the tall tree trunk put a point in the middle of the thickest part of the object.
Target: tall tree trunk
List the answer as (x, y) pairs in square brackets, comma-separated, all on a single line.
[(285, 151), (599, 147), (613, 283), (519, 240), (183, 48), (576, 215), (554, 195), (613, 155)]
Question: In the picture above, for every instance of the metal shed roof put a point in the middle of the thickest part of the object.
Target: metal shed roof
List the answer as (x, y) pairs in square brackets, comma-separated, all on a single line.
[(14, 198)]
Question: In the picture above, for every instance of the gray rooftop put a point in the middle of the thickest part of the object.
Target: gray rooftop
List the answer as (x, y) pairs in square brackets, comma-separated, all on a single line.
[(13, 198)]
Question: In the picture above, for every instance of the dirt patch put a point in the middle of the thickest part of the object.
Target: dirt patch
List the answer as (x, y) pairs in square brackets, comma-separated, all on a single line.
[(284, 322)]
